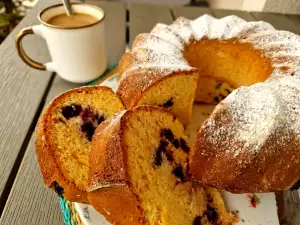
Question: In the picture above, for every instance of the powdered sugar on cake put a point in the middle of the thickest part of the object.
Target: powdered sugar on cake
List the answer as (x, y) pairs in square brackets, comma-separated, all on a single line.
[(254, 112), (250, 115)]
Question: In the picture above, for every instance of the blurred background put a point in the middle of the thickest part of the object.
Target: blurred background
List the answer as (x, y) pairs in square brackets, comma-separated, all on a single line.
[(12, 11)]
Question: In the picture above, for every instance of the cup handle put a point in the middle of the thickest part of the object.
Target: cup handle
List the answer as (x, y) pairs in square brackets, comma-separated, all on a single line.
[(22, 33)]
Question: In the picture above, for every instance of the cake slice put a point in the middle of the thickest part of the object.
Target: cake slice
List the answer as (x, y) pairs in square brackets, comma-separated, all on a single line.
[(139, 173), (155, 75), (64, 134)]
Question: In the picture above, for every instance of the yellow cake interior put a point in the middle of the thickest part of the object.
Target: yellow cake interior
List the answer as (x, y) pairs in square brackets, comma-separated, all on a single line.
[(157, 161), (225, 65), (71, 135)]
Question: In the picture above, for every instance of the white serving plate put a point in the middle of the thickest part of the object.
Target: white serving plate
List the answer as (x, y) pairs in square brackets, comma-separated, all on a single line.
[(264, 214)]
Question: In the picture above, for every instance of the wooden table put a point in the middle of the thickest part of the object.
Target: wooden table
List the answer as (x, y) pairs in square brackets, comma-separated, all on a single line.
[(25, 91)]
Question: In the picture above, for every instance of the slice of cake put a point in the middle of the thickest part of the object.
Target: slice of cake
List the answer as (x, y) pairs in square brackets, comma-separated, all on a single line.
[(64, 134), (139, 173), (151, 77)]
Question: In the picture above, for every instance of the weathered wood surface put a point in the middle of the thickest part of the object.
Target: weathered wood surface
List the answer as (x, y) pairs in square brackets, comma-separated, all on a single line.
[(29, 201), (142, 18), (21, 92), (295, 19), (280, 22)]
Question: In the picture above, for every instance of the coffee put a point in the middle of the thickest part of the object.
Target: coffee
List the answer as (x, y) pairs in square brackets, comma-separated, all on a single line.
[(76, 20)]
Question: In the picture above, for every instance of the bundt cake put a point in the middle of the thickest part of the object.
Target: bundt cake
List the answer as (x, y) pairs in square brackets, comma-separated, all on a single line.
[(64, 134), (226, 54), (139, 173)]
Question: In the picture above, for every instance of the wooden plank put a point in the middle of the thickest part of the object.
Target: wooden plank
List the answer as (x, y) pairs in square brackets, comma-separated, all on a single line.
[(288, 204), (21, 92), (242, 14), (295, 19), (189, 12), (39, 205), (142, 18), (280, 22), (29, 201)]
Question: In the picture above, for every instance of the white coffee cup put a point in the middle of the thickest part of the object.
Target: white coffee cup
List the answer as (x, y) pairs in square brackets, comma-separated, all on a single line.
[(78, 53)]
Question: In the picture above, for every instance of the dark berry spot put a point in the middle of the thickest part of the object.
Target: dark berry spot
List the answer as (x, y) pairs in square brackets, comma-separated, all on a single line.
[(218, 85), (188, 172), (209, 198), (184, 145), (70, 111), (88, 115), (216, 99), (178, 172), (168, 103), (211, 214), (169, 156), (158, 158), (89, 129), (163, 145), (197, 220), (58, 189), (101, 118), (296, 186), (176, 143), (158, 154), (167, 133), (228, 91), (222, 96)]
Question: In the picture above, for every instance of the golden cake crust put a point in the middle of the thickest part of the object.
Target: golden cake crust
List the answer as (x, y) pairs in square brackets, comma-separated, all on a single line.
[(118, 204), (106, 158), (108, 187)]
